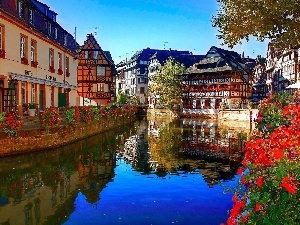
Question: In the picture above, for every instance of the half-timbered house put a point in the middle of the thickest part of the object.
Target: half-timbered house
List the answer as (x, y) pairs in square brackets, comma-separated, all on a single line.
[(219, 79), (95, 73), (185, 58), (258, 80)]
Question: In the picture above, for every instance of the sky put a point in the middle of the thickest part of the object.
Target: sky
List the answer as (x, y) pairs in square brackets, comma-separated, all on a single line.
[(126, 26)]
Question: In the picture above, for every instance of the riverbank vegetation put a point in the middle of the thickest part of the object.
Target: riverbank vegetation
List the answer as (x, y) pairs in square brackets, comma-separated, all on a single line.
[(58, 127), (270, 175)]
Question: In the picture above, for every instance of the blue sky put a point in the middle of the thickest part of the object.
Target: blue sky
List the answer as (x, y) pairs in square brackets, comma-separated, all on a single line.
[(126, 26)]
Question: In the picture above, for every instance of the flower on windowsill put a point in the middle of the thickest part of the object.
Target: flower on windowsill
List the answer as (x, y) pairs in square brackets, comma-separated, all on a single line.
[(51, 69), (24, 61), (67, 74), (31, 106), (60, 72), (2, 54), (34, 64)]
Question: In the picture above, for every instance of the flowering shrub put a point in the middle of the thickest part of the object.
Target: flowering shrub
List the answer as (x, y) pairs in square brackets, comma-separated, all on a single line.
[(269, 115), (11, 123), (102, 112), (128, 110), (86, 114), (50, 118), (270, 173), (73, 116), (95, 112)]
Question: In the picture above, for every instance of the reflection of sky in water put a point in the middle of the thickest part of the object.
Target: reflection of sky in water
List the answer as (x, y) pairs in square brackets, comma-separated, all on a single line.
[(135, 199)]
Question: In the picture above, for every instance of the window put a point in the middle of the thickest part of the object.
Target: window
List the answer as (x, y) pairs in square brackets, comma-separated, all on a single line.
[(33, 56), (33, 93), (100, 71), (23, 49), (91, 55), (30, 15), (101, 87), (1, 37), (59, 63), (51, 60), (21, 8), (198, 104), (65, 39), (86, 54), (142, 90), (49, 28), (143, 62), (2, 50), (67, 66), (55, 33)]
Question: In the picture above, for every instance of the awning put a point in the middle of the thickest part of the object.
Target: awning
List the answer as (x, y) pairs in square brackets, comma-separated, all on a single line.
[(254, 99), (294, 86), (42, 81)]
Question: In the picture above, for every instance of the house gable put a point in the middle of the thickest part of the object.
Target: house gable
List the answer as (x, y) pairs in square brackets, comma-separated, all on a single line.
[(95, 72)]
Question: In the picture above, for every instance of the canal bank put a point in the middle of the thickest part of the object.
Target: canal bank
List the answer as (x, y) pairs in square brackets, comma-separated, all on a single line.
[(101, 177), (32, 138)]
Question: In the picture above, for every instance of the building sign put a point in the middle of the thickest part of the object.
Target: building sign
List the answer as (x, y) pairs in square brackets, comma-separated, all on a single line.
[(50, 78), (210, 94), (207, 81)]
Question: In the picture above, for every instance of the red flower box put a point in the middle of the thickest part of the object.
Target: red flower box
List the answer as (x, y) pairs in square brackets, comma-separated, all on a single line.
[(51, 69), (34, 64), (60, 72), (24, 61), (2, 54)]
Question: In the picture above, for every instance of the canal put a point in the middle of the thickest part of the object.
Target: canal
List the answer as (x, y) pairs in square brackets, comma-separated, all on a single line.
[(148, 172)]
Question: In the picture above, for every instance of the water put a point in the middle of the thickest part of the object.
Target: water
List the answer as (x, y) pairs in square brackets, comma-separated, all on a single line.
[(147, 173)]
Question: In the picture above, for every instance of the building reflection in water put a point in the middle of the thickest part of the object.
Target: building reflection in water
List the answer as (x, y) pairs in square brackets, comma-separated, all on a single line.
[(41, 188), (194, 146)]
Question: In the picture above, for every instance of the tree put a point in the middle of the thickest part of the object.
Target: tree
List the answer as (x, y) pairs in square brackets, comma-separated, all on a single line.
[(165, 84), (276, 20), (122, 98)]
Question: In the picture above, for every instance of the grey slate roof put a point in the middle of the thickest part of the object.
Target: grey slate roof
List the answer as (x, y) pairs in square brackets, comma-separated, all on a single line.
[(217, 60)]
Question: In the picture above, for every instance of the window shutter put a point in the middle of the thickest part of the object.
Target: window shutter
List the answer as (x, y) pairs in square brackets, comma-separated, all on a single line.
[(94, 87), (106, 88)]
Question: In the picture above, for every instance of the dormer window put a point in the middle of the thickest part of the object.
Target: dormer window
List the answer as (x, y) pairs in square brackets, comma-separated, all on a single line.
[(65, 39), (21, 8), (30, 15), (55, 33), (91, 55), (49, 28), (54, 17)]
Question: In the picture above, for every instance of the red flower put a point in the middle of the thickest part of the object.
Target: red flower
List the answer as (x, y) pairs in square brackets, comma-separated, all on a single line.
[(240, 170), (289, 184), (260, 181), (277, 154), (245, 218), (257, 207)]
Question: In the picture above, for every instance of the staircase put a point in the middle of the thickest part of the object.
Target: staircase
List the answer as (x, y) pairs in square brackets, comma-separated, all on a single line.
[(30, 123)]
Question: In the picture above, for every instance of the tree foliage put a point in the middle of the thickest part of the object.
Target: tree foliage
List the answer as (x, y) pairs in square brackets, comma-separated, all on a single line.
[(122, 98), (276, 20), (165, 84)]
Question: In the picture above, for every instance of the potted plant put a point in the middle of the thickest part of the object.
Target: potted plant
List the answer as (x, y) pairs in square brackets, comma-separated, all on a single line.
[(31, 109)]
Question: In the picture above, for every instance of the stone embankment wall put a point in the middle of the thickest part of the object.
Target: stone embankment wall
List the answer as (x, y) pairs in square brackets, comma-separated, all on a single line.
[(237, 118), (32, 140), (152, 113)]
